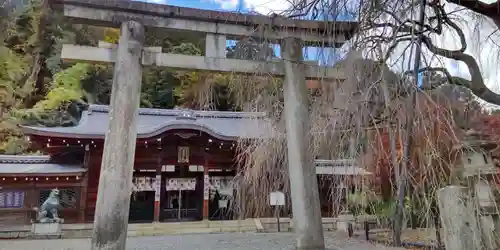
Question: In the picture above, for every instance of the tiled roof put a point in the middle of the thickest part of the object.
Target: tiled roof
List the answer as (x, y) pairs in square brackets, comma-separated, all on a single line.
[(152, 122), (22, 159), (41, 169), (34, 165)]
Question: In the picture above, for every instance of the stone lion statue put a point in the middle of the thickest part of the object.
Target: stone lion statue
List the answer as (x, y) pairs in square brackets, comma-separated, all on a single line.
[(48, 212)]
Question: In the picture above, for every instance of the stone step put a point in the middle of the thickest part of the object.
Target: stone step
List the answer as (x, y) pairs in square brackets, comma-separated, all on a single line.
[(197, 224), (188, 228), (150, 229), (187, 231)]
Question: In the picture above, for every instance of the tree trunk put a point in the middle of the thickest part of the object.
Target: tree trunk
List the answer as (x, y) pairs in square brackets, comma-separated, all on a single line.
[(35, 82)]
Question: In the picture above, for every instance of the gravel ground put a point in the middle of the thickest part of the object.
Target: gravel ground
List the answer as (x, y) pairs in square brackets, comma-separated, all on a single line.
[(229, 241)]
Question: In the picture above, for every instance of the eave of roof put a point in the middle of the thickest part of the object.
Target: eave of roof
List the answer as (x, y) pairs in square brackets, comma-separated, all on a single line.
[(36, 165), (17, 170), (153, 122), (24, 159)]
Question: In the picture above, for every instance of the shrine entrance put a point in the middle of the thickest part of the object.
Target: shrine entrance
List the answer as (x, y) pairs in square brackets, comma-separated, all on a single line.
[(142, 207), (142, 198), (182, 198)]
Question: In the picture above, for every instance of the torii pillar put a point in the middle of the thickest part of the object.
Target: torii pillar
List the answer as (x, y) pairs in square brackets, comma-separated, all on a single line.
[(303, 183), (115, 182)]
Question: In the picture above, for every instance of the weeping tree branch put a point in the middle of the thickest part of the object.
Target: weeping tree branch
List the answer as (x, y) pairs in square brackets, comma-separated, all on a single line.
[(477, 84), (491, 10), (441, 18)]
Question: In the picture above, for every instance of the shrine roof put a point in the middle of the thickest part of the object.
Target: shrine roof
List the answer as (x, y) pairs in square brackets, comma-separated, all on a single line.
[(153, 122), (35, 165)]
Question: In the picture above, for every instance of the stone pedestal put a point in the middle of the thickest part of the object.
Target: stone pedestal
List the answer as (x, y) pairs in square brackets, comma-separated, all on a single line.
[(46, 230), (460, 227)]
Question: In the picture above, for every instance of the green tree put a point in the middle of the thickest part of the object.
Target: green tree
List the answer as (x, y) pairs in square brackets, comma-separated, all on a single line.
[(34, 33)]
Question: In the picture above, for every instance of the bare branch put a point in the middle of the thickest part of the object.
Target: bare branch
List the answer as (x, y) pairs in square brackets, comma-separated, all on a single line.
[(491, 10)]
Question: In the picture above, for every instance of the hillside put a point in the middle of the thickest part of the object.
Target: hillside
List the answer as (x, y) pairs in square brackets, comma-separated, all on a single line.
[(36, 87)]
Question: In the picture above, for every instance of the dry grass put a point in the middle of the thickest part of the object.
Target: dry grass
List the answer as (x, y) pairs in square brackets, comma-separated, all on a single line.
[(362, 118)]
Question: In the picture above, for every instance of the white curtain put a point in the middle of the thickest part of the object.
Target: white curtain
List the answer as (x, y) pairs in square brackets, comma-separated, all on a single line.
[(181, 184), (143, 183)]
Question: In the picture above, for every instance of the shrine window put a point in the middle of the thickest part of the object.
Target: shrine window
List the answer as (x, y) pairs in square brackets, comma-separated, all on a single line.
[(67, 197), (11, 199)]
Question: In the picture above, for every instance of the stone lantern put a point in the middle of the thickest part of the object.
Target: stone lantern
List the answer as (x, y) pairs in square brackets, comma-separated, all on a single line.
[(477, 167), (477, 170)]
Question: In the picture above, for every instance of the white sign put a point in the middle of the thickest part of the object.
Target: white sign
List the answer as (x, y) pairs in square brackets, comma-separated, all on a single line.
[(206, 187), (277, 198), (222, 203), (157, 187)]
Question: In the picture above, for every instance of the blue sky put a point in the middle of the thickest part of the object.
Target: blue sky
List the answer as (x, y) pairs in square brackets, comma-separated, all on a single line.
[(324, 56), (201, 4)]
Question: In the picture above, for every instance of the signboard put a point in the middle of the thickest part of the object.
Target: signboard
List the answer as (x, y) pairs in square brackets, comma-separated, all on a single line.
[(183, 155), (222, 203), (206, 187), (11, 199), (277, 198), (157, 185)]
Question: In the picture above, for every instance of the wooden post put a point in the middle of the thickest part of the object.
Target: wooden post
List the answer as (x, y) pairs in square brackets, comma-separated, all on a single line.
[(157, 197), (241, 194), (461, 231), (303, 182), (83, 198), (84, 187), (157, 207), (206, 191), (115, 182)]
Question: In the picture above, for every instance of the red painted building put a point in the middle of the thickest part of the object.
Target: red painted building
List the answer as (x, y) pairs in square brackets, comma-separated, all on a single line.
[(184, 166)]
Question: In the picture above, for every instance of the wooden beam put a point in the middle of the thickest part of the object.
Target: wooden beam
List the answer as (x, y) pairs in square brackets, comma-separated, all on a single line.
[(111, 13), (78, 53)]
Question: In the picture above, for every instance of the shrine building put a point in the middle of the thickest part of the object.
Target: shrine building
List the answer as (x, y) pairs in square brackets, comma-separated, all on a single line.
[(183, 159)]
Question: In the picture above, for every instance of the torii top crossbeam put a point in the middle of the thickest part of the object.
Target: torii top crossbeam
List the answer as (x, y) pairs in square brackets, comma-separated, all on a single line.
[(112, 12)]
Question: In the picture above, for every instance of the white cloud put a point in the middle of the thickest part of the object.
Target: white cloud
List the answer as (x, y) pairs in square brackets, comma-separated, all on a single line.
[(480, 44), (268, 6), (261, 6), (227, 4), (480, 37)]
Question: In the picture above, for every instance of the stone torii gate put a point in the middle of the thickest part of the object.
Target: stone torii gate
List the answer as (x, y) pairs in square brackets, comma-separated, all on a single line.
[(111, 217)]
